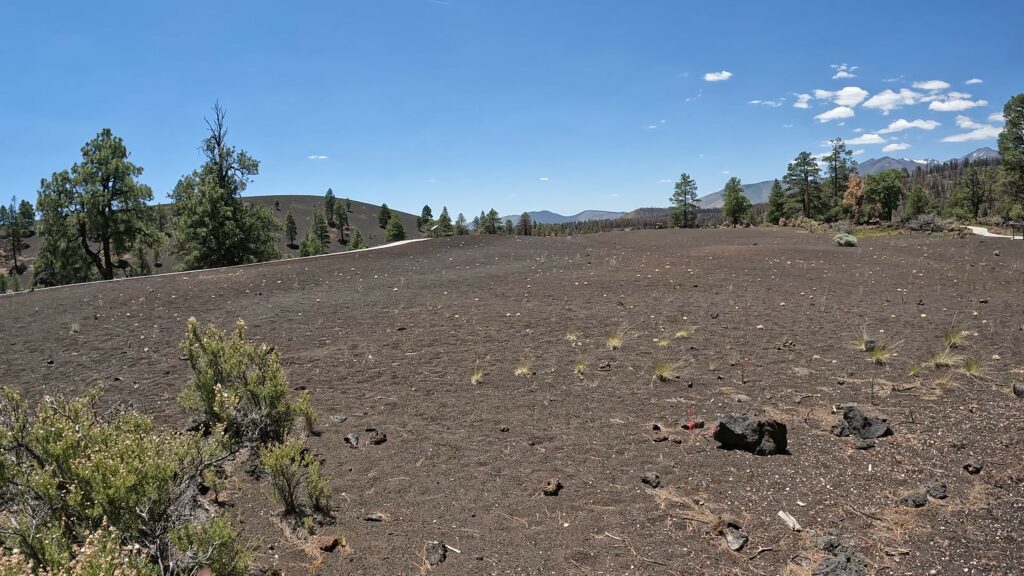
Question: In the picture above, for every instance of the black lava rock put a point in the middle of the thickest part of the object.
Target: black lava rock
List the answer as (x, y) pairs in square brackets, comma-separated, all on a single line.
[(652, 479), (915, 500), (743, 432), (974, 466), (863, 422), (937, 490)]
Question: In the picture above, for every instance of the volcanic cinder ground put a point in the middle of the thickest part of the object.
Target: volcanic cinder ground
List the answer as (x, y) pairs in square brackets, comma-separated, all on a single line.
[(390, 338)]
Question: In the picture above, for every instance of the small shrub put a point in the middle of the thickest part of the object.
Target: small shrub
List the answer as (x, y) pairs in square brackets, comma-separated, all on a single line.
[(685, 331), (973, 367), (663, 372), (214, 545), (318, 489), (305, 410), (524, 368), (237, 384), (955, 337), (286, 464), (847, 240), (945, 359)]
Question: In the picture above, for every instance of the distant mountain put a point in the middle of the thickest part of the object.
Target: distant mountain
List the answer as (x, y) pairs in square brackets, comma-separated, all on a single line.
[(548, 217), (876, 165), (985, 153), (756, 193)]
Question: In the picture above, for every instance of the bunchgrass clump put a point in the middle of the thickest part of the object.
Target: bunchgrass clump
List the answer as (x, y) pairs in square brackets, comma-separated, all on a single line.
[(615, 340), (75, 328), (304, 408), (685, 331), (945, 359), (915, 370), (573, 337), (972, 367), (477, 376), (955, 337), (581, 368), (524, 368), (663, 371), (662, 342), (880, 354), (863, 341)]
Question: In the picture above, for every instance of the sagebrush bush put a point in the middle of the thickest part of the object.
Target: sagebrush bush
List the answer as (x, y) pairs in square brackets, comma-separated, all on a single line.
[(318, 488), (287, 465), (75, 483), (214, 545), (237, 384)]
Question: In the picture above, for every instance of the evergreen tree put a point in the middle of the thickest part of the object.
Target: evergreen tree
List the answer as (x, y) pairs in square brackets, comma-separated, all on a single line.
[(12, 222), (340, 217), (839, 164), (684, 198), (853, 198), (461, 229), (61, 259), (776, 203), (802, 179), (970, 193), (329, 202), (348, 205), (884, 191), (99, 204), (355, 242), (918, 202), (525, 226), (320, 229), (291, 229), (493, 221), (444, 223), (395, 231), (735, 205), (510, 228), (311, 244), (425, 216), (384, 216), (28, 217), (1011, 148), (212, 226)]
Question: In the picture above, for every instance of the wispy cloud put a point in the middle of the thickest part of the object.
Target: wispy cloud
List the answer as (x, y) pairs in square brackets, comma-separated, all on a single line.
[(931, 85), (849, 96), (996, 117), (887, 100), (975, 131), (692, 98), (316, 157), (843, 71), (837, 113), (895, 146), (956, 105), (717, 76), (803, 101), (857, 152), (974, 81), (866, 139), (543, 178), (901, 125), (769, 103)]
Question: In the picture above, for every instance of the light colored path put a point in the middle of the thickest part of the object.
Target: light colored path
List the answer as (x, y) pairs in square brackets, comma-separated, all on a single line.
[(981, 231)]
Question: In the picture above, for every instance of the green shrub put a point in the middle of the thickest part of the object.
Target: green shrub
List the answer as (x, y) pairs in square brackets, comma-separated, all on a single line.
[(318, 488), (75, 485), (286, 464), (214, 545), (237, 384), (845, 240), (311, 245), (304, 409)]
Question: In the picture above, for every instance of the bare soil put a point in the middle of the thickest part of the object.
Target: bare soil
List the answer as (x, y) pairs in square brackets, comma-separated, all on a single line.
[(389, 339)]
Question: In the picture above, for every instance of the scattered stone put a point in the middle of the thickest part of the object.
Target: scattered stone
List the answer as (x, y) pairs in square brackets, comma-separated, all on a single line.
[(435, 553), (937, 490), (983, 301), (693, 424), (742, 432), (735, 537), (790, 521), (995, 252), (865, 423), (843, 559), (1018, 389), (864, 444), (352, 440), (375, 517), (870, 345), (915, 500), (604, 366), (675, 439), (376, 436), (973, 466), (652, 479), (503, 429), (338, 418), (551, 487)]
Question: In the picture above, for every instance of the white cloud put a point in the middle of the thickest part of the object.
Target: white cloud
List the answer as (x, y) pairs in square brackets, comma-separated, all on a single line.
[(843, 71), (849, 96), (664, 181), (857, 152), (956, 105), (901, 125), (837, 113), (996, 117), (652, 126), (931, 85), (895, 146), (802, 101), (887, 100), (769, 103), (858, 130), (974, 81), (717, 76), (866, 139), (975, 131), (787, 125), (543, 178), (317, 157)]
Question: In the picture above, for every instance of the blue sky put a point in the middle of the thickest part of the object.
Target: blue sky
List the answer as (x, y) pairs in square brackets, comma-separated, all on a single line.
[(512, 104)]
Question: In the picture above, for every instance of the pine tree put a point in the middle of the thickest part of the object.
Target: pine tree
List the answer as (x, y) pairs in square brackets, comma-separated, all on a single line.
[(340, 217), (461, 228), (735, 205), (213, 226), (684, 198), (320, 229), (11, 220), (311, 244), (355, 242), (28, 217), (425, 216), (395, 231), (918, 202), (884, 190), (291, 229), (802, 179), (510, 228), (329, 202), (493, 221), (525, 225), (839, 164), (1011, 148), (384, 216), (776, 203), (444, 223)]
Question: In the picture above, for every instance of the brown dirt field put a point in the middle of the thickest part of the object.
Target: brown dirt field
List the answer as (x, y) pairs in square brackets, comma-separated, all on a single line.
[(390, 338)]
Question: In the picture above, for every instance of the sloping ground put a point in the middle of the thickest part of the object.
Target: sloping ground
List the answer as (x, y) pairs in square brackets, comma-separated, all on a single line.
[(389, 339), (363, 216)]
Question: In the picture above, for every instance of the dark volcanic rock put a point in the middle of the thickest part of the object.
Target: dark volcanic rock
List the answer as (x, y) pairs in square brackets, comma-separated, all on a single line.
[(743, 432), (974, 466), (937, 490), (352, 440), (551, 487), (915, 499), (1018, 389), (652, 479), (435, 553), (843, 559), (863, 422)]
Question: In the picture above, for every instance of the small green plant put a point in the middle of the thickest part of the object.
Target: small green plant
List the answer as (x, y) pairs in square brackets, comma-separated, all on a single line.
[(477, 376), (318, 489), (615, 340), (581, 368), (524, 368), (305, 410), (663, 371), (955, 337), (915, 370), (972, 367), (880, 354), (75, 328), (686, 331), (661, 342), (945, 359), (214, 545), (864, 342), (213, 481), (287, 465)]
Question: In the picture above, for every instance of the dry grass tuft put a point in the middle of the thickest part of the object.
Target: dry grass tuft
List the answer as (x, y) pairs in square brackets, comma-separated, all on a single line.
[(945, 359), (973, 368), (685, 331), (663, 371), (477, 377), (880, 354), (955, 337), (615, 340), (573, 337), (524, 368)]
